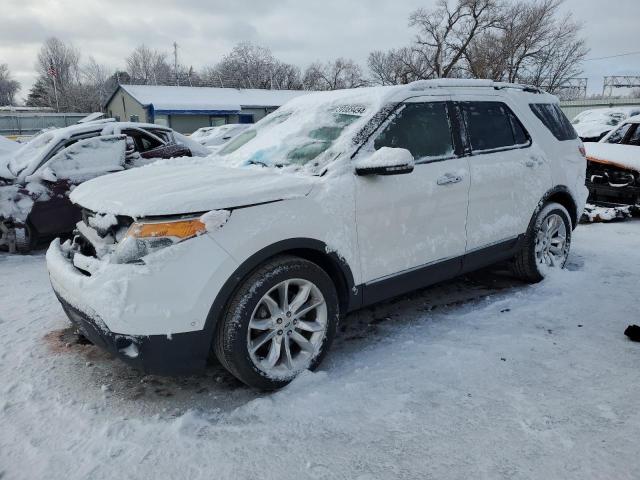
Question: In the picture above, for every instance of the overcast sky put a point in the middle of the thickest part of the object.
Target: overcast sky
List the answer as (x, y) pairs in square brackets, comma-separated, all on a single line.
[(297, 31)]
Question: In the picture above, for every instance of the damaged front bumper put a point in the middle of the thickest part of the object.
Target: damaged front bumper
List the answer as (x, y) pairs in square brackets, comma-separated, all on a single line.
[(136, 312), (154, 354), (611, 186)]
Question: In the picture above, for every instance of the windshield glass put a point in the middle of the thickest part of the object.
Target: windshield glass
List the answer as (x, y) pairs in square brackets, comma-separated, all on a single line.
[(305, 135), (605, 117), (32, 151)]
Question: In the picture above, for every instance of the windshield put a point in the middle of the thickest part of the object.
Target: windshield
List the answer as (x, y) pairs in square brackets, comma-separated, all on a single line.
[(32, 151), (304, 136), (600, 117)]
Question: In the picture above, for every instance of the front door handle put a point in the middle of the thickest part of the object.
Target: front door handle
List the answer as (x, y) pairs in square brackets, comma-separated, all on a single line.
[(449, 178)]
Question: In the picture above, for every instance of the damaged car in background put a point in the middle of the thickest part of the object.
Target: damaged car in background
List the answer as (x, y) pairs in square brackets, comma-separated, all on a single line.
[(592, 125), (613, 173), (215, 138), (36, 179)]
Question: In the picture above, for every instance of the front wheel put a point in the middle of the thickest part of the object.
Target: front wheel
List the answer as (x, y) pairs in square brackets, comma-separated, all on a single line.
[(547, 243), (280, 322)]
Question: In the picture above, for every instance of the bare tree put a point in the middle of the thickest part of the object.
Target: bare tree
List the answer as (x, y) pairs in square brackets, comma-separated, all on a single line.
[(147, 66), (8, 86), (397, 67), (58, 68), (98, 79), (340, 73), (444, 34), (530, 44), (560, 60), (252, 66)]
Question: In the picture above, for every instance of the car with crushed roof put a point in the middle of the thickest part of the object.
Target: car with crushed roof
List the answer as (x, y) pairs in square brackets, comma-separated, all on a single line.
[(37, 177), (334, 202)]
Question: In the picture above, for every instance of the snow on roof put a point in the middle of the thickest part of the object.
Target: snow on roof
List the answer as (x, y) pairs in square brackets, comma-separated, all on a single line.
[(167, 98), (633, 119)]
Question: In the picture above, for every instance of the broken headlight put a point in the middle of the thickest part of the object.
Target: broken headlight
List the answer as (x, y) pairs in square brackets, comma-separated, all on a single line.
[(144, 238)]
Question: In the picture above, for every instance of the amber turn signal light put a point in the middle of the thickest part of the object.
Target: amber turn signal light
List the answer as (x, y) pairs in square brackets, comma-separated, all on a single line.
[(182, 229)]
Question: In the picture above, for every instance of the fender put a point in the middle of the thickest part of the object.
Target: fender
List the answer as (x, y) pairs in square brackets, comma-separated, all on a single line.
[(562, 195), (308, 248)]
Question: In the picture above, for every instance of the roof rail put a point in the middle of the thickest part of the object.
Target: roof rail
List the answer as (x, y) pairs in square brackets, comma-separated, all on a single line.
[(469, 82)]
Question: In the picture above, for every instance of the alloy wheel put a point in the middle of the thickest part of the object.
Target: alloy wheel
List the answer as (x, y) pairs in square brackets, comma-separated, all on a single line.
[(551, 242), (287, 328)]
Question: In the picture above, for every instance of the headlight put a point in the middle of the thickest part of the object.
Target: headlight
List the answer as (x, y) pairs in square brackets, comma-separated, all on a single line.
[(144, 238)]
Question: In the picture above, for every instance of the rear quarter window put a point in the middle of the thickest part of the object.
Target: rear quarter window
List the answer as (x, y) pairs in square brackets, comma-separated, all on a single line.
[(492, 125), (556, 122)]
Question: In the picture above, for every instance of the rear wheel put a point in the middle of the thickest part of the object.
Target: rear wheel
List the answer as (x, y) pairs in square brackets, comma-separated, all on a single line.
[(21, 239), (26, 238), (280, 322), (546, 245)]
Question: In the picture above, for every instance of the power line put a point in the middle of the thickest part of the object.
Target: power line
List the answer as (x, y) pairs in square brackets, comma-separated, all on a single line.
[(613, 56)]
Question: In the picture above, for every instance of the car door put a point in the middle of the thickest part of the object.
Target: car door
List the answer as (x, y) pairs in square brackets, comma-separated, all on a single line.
[(509, 173), (408, 223), (76, 163)]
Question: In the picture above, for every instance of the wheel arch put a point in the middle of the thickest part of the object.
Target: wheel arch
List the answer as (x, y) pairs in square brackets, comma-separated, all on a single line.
[(562, 195), (310, 249)]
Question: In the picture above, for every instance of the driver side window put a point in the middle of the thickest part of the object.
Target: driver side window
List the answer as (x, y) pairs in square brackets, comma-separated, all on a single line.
[(421, 128)]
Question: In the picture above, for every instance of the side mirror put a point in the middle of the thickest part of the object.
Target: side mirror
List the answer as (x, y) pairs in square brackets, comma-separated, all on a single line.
[(386, 161)]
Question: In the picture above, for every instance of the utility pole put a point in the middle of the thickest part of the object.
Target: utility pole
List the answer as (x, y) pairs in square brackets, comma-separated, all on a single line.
[(175, 61)]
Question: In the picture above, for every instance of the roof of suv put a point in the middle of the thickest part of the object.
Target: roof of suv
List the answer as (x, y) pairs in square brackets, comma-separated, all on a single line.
[(386, 94)]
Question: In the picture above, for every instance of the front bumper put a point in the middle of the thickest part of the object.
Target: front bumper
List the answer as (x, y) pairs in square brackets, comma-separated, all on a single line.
[(608, 196), (179, 354), (153, 316)]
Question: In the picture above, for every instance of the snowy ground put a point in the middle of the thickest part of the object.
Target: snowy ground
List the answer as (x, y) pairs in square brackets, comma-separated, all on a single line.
[(479, 378)]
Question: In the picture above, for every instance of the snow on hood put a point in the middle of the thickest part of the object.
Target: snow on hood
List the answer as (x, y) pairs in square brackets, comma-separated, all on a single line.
[(7, 145), (188, 187), (626, 156)]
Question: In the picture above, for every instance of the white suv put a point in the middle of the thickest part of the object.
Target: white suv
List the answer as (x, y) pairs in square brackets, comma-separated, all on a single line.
[(334, 202)]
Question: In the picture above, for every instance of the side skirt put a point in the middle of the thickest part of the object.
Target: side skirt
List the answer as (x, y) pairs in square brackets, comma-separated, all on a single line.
[(424, 276)]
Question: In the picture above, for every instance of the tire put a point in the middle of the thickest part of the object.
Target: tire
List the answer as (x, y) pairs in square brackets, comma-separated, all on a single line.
[(536, 257), (26, 238), (257, 316), (18, 239)]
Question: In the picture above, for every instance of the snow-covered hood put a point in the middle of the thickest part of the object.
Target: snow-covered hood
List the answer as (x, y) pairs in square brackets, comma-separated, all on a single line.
[(592, 129), (625, 156), (172, 189)]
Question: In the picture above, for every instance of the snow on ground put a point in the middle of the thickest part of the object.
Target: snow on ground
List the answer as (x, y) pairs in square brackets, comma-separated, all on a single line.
[(482, 377)]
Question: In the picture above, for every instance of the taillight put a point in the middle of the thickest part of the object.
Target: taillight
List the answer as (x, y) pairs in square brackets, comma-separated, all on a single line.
[(582, 151)]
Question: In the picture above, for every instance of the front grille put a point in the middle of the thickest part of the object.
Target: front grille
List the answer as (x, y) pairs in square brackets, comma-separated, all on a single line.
[(612, 185), (611, 175), (110, 235)]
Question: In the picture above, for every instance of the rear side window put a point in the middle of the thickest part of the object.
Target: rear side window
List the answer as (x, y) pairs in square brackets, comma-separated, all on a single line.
[(618, 135), (555, 121), (421, 128), (634, 136), (492, 125)]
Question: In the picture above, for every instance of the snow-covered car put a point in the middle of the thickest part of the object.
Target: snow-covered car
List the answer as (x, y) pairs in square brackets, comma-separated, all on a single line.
[(336, 201), (216, 137), (36, 178), (592, 125), (7, 146), (613, 166)]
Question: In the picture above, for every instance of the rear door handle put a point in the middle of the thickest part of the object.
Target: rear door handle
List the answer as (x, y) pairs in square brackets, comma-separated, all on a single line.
[(449, 178)]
